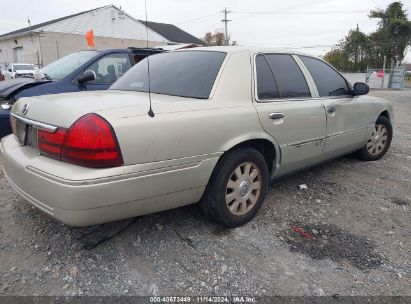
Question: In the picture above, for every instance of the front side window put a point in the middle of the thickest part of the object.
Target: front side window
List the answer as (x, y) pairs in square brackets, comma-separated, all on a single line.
[(185, 73), (327, 80), (278, 76), (110, 68)]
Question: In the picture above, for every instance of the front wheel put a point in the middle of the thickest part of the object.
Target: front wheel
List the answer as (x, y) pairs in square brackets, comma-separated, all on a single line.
[(379, 142), (237, 188)]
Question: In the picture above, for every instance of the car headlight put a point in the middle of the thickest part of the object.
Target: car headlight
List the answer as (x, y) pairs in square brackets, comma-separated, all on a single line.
[(5, 106)]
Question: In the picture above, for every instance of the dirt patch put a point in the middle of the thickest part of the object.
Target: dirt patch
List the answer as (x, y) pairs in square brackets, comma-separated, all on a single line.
[(321, 241), (400, 201), (90, 237)]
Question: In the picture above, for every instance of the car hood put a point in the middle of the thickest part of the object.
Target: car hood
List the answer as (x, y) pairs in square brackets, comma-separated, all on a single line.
[(10, 87), (64, 109)]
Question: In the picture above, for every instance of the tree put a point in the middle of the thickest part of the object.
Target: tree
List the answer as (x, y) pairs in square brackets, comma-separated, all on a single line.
[(216, 39), (394, 32), (352, 53), (208, 39), (357, 51), (219, 38), (337, 58)]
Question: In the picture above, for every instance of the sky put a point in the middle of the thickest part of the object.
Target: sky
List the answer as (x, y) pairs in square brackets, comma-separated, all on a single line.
[(312, 26)]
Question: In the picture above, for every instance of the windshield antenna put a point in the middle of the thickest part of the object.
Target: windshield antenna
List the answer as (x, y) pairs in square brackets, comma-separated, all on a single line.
[(150, 111)]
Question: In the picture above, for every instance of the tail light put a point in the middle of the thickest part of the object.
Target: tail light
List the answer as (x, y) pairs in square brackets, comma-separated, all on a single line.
[(89, 142), (50, 143)]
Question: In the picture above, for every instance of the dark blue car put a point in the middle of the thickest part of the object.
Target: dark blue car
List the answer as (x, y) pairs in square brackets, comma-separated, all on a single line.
[(86, 70)]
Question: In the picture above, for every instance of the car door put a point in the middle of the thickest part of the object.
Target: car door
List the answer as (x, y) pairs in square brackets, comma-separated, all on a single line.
[(287, 110), (346, 122), (108, 69)]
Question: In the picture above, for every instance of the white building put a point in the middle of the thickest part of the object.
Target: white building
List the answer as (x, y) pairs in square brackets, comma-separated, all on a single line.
[(113, 28)]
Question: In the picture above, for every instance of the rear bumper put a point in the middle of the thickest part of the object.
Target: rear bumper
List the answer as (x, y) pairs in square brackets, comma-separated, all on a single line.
[(80, 196)]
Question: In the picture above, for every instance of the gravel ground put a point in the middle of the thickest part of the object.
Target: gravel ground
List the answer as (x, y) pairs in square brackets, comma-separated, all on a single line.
[(348, 233)]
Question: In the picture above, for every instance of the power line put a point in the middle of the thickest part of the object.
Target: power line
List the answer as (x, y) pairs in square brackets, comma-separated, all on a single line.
[(198, 18), (280, 12), (283, 9)]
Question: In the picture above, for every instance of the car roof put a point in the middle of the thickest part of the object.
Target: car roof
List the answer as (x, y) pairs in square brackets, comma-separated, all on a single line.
[(128, 50), (251, 49)]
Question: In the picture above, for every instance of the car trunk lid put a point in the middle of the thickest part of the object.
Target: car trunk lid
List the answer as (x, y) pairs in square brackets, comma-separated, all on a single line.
[(63, 110), (50, 112)]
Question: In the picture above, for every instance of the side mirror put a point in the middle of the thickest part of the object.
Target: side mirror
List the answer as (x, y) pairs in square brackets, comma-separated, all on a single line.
[(360, 88), (88, 75)]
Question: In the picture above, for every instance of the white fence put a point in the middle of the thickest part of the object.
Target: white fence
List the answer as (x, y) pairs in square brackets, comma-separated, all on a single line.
[(393, 79), (374, 81)]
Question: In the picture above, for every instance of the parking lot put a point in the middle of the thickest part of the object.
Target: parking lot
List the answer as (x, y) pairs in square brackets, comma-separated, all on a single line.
[(347, 233)]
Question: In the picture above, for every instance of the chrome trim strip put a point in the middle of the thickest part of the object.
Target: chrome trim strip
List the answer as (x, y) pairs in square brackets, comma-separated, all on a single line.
[(300, 143), (312, 140), (110, 179), (345, 132), (36, 124), (131, 171), (305, 99)]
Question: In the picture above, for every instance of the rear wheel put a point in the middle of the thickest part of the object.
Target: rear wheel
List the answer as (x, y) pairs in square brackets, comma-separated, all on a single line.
[(379, 142), (237, 188)]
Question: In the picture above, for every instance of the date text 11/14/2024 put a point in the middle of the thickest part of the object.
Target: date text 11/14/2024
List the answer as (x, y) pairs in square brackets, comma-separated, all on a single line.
[(203, 299)]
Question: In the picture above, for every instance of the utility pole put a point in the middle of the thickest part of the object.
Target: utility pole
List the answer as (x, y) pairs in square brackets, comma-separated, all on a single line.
[(225, 20), (383, 68), (31, 33), (356, 50)]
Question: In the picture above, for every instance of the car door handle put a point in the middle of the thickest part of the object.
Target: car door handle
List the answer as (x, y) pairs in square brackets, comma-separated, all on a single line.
[(276, 115), (331, 109)]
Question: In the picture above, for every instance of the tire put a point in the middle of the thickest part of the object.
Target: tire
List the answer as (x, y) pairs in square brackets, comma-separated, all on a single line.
[(248, 190), (380, 141)]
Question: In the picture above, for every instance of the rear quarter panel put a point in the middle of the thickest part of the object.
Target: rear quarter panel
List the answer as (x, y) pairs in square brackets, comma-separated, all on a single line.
[(184, 134)]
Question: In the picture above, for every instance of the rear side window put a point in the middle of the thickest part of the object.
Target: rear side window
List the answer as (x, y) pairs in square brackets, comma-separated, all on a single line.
[(327, 80), (285, 81), (266, 86)]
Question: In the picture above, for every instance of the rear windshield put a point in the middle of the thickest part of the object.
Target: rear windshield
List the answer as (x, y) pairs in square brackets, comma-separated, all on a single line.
[(188, 74)]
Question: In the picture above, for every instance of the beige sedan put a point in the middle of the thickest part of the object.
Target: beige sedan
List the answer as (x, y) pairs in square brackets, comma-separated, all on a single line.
[(224, 122)]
